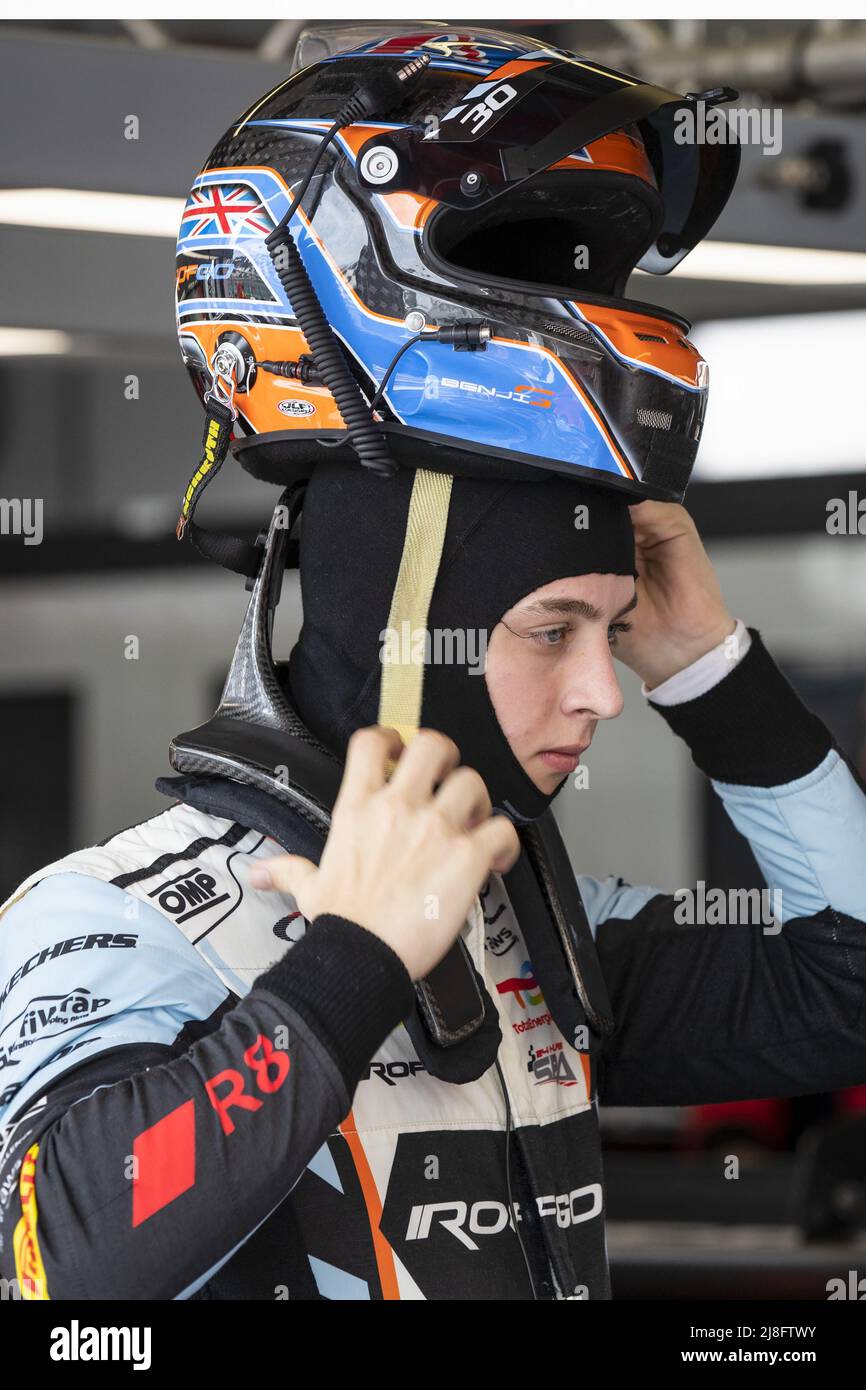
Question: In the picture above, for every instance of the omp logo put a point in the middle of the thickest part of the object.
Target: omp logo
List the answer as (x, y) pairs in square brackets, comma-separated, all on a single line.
[(550, 1064), (296, 408), (488, 1218), (55, 1011), (188, 895), (524, 986), (392, 1072), (98, 941), (523, 395)]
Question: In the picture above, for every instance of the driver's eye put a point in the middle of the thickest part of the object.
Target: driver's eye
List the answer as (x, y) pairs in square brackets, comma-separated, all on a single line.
[(614, 629), (550, 637)]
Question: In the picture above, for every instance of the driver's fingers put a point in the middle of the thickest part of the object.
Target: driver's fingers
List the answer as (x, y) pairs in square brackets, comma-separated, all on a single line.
[(497, 843), (464, 798), (424, 764), (367, 757)]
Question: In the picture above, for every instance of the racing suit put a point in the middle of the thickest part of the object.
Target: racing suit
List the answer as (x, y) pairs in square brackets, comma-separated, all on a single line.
[(192, 1109)]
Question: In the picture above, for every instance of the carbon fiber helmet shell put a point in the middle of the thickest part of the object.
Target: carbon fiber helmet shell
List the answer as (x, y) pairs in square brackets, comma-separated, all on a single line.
[(435, 215)]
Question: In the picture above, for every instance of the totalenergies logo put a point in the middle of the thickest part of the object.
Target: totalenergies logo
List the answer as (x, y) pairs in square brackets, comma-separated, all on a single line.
[(524, 987)]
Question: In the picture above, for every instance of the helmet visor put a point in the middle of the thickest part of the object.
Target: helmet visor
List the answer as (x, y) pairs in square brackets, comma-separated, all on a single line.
[(488, 137)]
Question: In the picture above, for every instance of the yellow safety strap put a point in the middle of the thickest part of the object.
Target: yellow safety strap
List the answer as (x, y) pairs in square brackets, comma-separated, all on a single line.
[(402, 670)]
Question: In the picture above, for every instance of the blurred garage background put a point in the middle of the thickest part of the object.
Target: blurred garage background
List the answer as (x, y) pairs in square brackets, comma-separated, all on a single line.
[(101, 424)]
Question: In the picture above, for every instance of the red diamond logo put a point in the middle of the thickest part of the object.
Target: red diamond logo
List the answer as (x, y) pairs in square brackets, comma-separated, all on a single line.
[(165, 1162)]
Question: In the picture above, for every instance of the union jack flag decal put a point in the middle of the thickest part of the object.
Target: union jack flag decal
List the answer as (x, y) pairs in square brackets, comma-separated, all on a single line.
[(224, 209)]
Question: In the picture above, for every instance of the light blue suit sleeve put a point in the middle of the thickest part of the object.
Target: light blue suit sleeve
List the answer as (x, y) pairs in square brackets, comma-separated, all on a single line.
[(808, 837), (86, 968), (613, 897)]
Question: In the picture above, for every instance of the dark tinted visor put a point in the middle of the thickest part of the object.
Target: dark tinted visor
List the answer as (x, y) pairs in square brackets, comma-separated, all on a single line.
[(500, 132), (695, 179)]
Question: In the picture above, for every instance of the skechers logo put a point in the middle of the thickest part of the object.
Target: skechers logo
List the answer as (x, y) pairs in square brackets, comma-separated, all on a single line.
[(101, 941)]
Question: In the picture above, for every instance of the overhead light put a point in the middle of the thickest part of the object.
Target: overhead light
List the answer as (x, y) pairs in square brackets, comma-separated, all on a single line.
[(79, 210), (785, 395), (34, 342), (772, 265)]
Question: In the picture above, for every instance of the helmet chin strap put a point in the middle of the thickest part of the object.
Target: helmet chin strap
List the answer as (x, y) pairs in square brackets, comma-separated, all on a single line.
[(450, 999), (402, 685)]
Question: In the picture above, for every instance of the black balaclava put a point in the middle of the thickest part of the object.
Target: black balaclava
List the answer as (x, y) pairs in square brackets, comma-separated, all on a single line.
[(503, 541)]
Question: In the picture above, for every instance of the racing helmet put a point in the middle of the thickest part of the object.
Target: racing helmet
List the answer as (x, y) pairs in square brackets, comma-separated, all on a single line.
[(461, 213)]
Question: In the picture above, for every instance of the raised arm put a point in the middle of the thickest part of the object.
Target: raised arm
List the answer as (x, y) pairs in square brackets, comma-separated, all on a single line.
[(748, 1009)]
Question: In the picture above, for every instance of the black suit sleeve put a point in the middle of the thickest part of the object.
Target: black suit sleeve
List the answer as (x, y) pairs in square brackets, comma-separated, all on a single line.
[(139, 1173)]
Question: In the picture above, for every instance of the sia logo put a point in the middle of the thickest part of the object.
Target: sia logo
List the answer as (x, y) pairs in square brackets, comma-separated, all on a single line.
[(550, 1064)]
